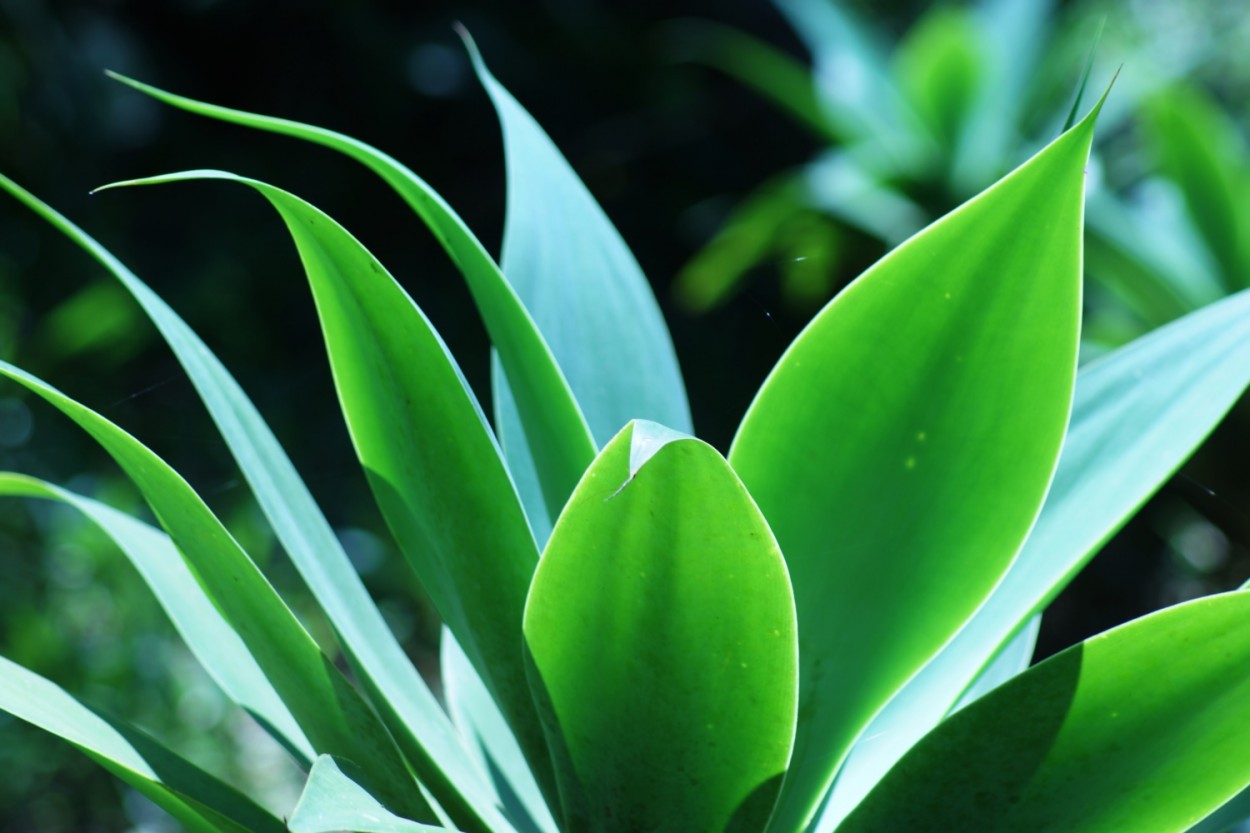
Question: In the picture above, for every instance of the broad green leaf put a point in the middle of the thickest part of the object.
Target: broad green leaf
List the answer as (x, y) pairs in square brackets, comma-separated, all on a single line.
[(585, 291), (333, 802), (547, 409), (189, 794), (930, 395), (330, 712), (661, 631), (430, 457), (218, 648), (1199, 148), (1143, 728), (411, 711), (494, 746), (1138, 413)]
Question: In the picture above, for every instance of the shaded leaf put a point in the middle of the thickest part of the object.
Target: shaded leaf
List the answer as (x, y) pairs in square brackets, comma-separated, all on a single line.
[(332, 802), (1143, 728)]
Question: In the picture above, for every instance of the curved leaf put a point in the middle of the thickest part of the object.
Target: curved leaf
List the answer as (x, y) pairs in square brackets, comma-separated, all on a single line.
[(330, 712), (189, 794), (412, 713), (661, 631), (1137, 414), (429, 455), (929, 396), (1143, 728), (218, 648), (551, 416)]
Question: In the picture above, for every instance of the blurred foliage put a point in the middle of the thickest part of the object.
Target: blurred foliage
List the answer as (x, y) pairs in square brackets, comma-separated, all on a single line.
[(662, 145)]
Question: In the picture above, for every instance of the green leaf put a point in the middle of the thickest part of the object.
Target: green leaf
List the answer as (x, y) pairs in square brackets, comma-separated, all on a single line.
[(330, 712), (492, 743), (661, 631), (218, 648), (410, 710), (192, 796), (547, 409), (1143, 728), (754, 63), (583, 288), (418, 430), (332, 802), (1138, 413), (930, 395), (1200, 149)]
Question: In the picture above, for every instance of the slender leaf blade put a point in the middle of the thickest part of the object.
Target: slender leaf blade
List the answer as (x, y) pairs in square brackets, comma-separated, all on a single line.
[(430, 457), (194, 797), (412, 713), (930, 395), (1143, 728), (1137, 415), (330, 712), (209, 637), (661, 631), (546, 406)]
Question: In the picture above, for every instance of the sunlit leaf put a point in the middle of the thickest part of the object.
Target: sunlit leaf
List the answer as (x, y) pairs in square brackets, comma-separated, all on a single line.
[(1138, 413), (930, 395), (332, 802), (661, 631)]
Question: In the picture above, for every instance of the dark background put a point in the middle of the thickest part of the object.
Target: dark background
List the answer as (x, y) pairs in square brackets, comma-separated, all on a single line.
[(665, 146)]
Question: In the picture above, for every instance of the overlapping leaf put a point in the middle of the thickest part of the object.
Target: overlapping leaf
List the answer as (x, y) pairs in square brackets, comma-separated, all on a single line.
[(413, 715), (927, 398), (195, 798), (1143, 728), (660, 627), (545, 404), (210, 638), (329, 710), (1138, 413)]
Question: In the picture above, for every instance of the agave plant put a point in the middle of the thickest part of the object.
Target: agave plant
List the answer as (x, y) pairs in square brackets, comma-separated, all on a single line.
[(643, 634)]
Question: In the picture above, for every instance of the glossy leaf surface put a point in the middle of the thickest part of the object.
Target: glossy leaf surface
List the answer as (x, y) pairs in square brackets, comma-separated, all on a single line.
[(411, 711), (929, 396), (1143, 728), (661, 632), (545, 403), (419, 432), (1138, 414)]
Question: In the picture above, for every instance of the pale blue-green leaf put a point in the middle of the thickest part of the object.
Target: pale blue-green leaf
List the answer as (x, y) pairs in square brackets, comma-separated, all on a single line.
[(1013, 659), (411, 711), (1138, 414), (213, 642), (192, 796), (836, 183), (492, 743), (331, 713), (332, 802)]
